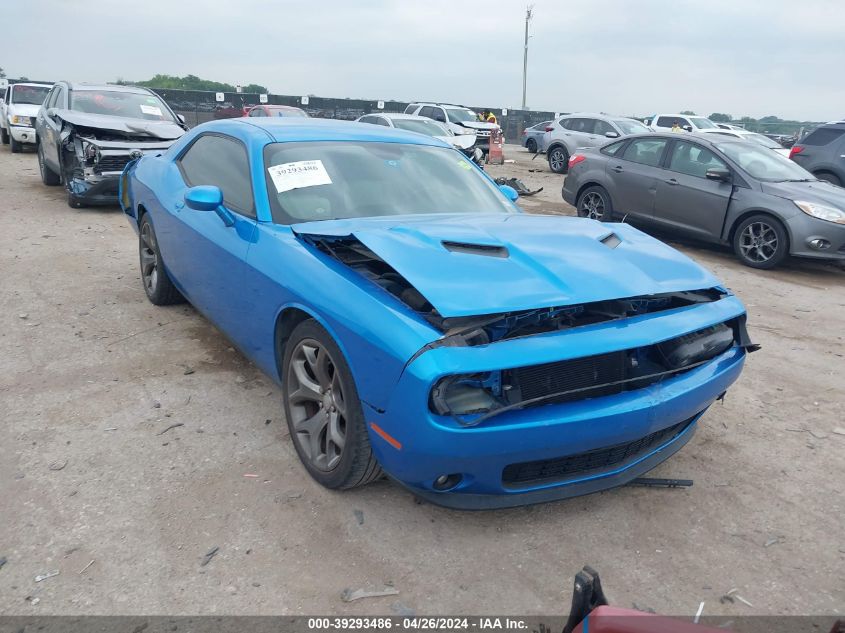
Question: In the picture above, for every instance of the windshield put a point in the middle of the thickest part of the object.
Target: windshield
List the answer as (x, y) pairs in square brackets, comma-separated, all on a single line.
[(765, 141), (330, 180), (703, 124), (33, 95), (131, 105), (461, 114), (764, 164), (427, 127), (288, 112), (630, 127)]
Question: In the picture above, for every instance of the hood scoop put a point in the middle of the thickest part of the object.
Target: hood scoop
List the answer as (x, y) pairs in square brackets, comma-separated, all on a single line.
[(486, 250), (611, 240)]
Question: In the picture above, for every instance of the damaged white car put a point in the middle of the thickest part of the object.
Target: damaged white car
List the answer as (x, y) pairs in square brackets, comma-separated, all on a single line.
[(86, 134)]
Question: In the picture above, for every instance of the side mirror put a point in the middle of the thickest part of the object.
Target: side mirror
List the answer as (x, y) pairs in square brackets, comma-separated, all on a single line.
[(719, 174), (510, 192), (51, 112), (612, 134), (204, 198), (688, 128)]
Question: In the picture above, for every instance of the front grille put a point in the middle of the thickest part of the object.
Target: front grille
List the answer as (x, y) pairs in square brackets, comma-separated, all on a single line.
[(589, 375), (597, 460), (111, 163)]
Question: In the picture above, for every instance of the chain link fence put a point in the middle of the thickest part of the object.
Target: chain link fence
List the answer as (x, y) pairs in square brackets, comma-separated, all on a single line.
[(199, 106)]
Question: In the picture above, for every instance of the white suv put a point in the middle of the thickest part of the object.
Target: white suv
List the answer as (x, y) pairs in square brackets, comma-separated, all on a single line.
[(18, 109), (688, 122), (460, 119)]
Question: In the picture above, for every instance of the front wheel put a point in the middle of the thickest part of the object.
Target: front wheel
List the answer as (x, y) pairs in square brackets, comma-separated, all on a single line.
[(16, 146), (558, 160), (594, 203), (324, 414), (833, 179), (157, 283), (4, 136), (761, 242), (48, 176)]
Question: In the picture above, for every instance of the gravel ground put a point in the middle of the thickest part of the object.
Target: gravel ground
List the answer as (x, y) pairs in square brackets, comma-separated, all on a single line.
[(94, 485)]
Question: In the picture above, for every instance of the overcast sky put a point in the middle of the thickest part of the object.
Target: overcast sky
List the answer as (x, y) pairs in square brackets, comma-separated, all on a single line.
[(752, 57)]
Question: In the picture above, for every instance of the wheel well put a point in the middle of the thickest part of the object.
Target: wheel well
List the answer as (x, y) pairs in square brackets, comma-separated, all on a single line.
[(586, 186), (827, 171), (555, 146), (748, 214), (141, 211), (285, 323)]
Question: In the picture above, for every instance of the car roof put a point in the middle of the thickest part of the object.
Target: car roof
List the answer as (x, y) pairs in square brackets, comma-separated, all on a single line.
[(277, 107), (108, 87), (440, 105), (283, 130), (30, 83), (400, 115)]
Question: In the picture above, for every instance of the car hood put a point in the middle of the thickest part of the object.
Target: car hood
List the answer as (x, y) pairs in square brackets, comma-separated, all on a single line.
[(477, 125), (156, 129), (23, 109), (813, 191), (461, 141), (468, 264)]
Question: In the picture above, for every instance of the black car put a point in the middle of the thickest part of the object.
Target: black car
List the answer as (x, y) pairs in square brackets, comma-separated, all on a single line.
[(86, 134), (822, 153)]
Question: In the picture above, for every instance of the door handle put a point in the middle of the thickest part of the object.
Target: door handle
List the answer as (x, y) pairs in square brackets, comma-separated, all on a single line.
[(618, 169), (671, 181)]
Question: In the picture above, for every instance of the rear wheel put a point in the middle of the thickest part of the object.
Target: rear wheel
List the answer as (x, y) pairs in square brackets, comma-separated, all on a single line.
[(594, 203), (48, 176), (760, 241), (531, 145), (558, 159), (157, 284), (324, 414), (828, 177)]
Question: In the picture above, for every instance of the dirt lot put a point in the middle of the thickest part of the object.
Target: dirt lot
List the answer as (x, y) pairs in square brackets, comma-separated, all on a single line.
[(92, 375)]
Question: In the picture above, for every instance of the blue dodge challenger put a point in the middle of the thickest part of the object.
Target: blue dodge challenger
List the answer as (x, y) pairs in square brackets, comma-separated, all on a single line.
[(420, 325)]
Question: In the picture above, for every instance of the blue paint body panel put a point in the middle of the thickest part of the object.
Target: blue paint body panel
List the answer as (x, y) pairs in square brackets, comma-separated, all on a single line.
[(243, 277)]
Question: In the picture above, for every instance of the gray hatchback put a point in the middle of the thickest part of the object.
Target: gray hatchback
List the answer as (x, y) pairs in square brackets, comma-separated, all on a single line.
[(720, 190)]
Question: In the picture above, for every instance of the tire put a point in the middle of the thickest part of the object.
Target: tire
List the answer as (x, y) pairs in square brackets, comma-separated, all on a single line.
[(4, 135), (531, 145), (828, 177), (595, 203), (761, 241), (157, 283), (16, 146), (315, 372), (48, 176), (558, 159)]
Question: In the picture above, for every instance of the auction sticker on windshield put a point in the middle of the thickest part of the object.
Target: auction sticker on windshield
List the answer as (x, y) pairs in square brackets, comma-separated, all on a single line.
[(302, 173), (154, 110)]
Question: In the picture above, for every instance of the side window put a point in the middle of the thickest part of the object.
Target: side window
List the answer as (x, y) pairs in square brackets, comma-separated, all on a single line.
[(439, 115), (410, 109), (427, 111), (823, 136), (584, 126), (603, 127), (59, 101), (220, 161), (380, 120), (645, 151), (613, 148), (667, 121), (366, 119), (694, 160), (259, 111)]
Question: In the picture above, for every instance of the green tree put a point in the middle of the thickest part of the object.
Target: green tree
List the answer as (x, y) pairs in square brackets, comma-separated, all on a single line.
[(689, 113), (721, 117), (2, 74), (192, 82)]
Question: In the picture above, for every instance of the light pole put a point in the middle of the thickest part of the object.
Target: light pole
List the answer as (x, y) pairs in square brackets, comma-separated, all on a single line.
[(529, 10)]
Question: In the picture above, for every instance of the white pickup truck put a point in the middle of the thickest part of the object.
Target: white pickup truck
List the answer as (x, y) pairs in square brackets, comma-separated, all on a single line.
[(18, 109), (687, 122)]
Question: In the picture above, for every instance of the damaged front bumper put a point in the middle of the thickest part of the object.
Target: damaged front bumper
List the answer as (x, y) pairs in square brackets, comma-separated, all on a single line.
[(550, 451), (93, 167)]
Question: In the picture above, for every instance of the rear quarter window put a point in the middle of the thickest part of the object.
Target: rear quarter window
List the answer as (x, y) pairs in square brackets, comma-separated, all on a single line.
[(613, 149), (824, 136)]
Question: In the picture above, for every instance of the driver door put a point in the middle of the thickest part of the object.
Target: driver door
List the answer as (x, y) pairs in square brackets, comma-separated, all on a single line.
[(205, 251)]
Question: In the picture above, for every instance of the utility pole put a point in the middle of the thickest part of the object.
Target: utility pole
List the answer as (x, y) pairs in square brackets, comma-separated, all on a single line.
[(529, 10)]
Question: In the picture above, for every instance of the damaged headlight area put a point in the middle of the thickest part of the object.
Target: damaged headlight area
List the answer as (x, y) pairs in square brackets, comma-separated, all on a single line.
[(474, 398)]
